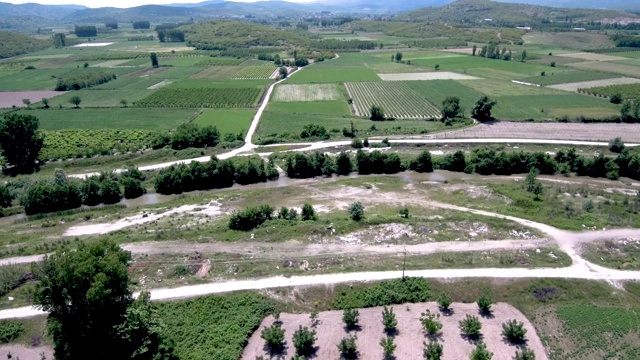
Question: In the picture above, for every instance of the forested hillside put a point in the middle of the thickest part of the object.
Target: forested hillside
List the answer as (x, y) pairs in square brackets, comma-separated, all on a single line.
[(14, 44), (220, 35)]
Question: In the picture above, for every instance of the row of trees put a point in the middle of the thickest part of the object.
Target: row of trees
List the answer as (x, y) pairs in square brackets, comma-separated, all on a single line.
[(141, 25), (62, 193), (86, 31), (214, 174), (111, 25), (59, 40), (83, 81), (492, 51), (188, 135), (170, 35), (252, 217)]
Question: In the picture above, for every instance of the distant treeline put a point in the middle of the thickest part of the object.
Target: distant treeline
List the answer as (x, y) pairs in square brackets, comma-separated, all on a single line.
[(169, 26), (436, 43), (141, 38), (83, 81), (335, 44), (626, 41), (111, 25), (170, 35), (86, 31), (141, 25), (214, 174)]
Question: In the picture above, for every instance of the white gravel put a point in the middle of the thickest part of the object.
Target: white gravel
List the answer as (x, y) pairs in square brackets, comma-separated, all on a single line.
[(438, 75)]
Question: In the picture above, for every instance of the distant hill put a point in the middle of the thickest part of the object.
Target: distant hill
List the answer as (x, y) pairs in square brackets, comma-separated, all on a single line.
[(475, 11), (625, 5), (14, 44), (51, 12)]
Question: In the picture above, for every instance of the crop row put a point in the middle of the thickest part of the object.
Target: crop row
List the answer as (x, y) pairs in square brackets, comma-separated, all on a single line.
[(67, 144), (627, 91), (220, 61), (202, 98), (255, 72), (396, 98)]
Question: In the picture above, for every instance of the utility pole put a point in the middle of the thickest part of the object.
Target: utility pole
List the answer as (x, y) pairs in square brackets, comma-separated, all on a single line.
[(404, 262)]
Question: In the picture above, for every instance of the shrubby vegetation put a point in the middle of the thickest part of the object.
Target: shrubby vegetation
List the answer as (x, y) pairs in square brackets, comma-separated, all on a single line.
[(10, 330), (170, 35), (20, 141), (214, 174), (83, 81), (14, 44), (141, 25), (388, 292), (250, 218)]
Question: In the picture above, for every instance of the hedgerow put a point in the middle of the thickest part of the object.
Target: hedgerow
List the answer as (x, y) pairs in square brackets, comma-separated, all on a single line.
[(388, 292)]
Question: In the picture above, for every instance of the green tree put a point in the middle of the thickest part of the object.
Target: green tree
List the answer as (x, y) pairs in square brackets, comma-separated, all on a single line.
[(523, 56), (474, 50), (616, 98), (514, 331), (5, 197), (444, 302), (482, 108), (616, 145), (59, 40), (389, 320), (451, 108), (430, 323), (45, 103), (26, 102), (154, 60), (350, 318), (348, 348), (86, 294), (304, 340), (356, 211), (20, 140), (123, 103), (132, 188), (484, 303), (470, 326), (283, 72), (377, 113), (432, 350), (388, 347), (308, 213), (273, 337), (110, 191), (344, 164), (422, 163), (75, 100), (398, 56), (480, 352), (525, 354), (533, 185)]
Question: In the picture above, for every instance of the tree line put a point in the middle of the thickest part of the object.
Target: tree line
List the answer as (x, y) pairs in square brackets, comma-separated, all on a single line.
[(214, 174), (85, 31), (83, 81), (141, 25), (188, 135), (170, 35)]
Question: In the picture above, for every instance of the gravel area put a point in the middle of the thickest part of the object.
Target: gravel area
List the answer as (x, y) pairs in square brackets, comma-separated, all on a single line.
[(410, 335), (440, 75)]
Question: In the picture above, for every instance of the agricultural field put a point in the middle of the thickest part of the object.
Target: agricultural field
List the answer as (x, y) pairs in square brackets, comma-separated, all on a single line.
[(220, 61), (564, 77), (65, 144), (627, 70), (441, 75), (256, 72), (630, 90), (311, 92), (228, 121), (14, 98), (581, 86), (436, 91), (202, 98), (397, 99), (217, 72)]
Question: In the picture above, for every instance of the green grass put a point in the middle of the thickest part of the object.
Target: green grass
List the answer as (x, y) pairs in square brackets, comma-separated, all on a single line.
[(627, 54), (183, 61), (438, 90), (31, 79), (255, 72), (326, 74), (226, 84), (130, 118), (567, 77), (615, 254), (532, 106), (480, 64), (100, 98), (335, 107), (217, 72), (233, 121), (202, 98)]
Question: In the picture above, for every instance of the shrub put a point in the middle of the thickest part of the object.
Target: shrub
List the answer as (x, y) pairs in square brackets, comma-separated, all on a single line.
[(110, 191), (250, 218), (470, 326), (344, 166), (11, 276), (616, 145), (484, 303), (356, 211), (430, 323), (404, 212), (388, 347), (388, 292), (422, 163), (514, 331), (481, 352), (616, 98), (313, 131), (303, 341), (350, 318), (273, 337), (348, 348), (10, 330), (389, 320), (444, 302), (357, 143), (432, 350), (377, 113), (308, 213), (525, 354), (132, 188), (288, 214)]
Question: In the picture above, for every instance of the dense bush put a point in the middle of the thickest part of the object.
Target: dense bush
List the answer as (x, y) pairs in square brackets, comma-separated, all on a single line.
[(304, 340), (132, 188), (514, 331), (10, 330), (350, 318), (308, 213), (6, 198), (11, 276), (83, 81), (484, 303), (214, 174), (314, 132), (470, 326), (348, 348), (202, 334), (191, 135), (422, 163), (273, 337), (46, 196), (432, 350), (303, 166), (250, 218), (388, 292), (356, 211), (377, 162)]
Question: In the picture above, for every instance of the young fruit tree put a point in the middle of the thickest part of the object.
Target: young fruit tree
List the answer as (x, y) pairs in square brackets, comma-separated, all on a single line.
[(348, 348), (356, 211), (514, 331), (430, 323), (481, 352), (350, 318), (273, 337), (303, 341), (484, 303), (389, 320), (470, 326), (525, 354), (388, 347), (432, 350), (444, 302)]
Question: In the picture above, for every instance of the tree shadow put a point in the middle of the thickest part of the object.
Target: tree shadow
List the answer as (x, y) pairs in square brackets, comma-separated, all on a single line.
[(447, 312), (350, 357), (435, 337), (312, 354), (472, 339), (392, 333), (486, 314), (355, 328), (519, 344), (278, 354)]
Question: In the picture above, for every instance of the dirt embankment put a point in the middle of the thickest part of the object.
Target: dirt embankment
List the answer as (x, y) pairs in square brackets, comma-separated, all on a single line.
[(410, 337)]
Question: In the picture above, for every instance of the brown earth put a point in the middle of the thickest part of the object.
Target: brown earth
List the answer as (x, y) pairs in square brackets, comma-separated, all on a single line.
[(551, 131), (330, 330), (26, 353), (11, 98)]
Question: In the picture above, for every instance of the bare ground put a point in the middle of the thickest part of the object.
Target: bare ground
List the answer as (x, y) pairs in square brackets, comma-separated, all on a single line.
[(596, 83), (440, 75), (11, 98), (25, 353), (551, 131), (410, 335)]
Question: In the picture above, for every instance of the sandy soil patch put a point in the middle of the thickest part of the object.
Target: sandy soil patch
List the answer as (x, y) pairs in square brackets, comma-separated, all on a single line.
[(592, 56), (162, 83), (466, 50), (24, 353), (589, 84), (111, 63), (11, 98), (211, 209), (604, 66), (94, 44), (440, 75), (307, 92), (550, 131), (410, 336)]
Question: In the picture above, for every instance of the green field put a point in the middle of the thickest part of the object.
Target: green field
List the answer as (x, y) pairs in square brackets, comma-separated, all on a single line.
[(436, 91), (477, 66), (217, 72), (628, 91), (396, 98), (100, 98), (322, 74), (130, 118), (554, 106), (307, 92), (202, 98), (255, 72), (336, 107), (554, 78), (233, 121)]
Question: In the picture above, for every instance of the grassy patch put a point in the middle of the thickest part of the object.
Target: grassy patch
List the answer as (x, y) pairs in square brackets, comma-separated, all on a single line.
[(233, 121), (325, 74), (554, 78), (311, 92), (438, 90), (623, 254), (606, 66), (336, 107), (217, 72), (202, 98), (541, 107), (120, 118)]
